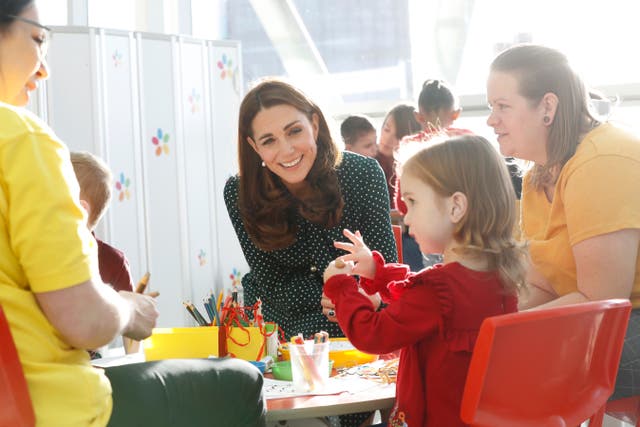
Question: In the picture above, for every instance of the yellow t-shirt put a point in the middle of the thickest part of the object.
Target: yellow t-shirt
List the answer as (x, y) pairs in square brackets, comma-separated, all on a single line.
[(597, 192), (45, 246)]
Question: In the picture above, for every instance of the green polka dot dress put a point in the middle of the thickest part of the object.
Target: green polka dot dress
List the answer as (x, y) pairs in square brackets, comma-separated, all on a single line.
[(289, 281)]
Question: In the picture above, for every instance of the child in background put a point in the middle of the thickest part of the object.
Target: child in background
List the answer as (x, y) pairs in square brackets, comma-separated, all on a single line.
[(95, 180), (461, 204), (359, 136), (438, 108), (399, 122)]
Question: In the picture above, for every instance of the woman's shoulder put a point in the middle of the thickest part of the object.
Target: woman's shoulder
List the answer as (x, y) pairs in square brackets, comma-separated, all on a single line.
[(355, 164), (609, 139), (231, 187), (17, 120)]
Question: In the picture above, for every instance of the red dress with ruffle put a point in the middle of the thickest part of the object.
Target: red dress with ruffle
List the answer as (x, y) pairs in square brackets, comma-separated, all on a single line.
[(434, 317)]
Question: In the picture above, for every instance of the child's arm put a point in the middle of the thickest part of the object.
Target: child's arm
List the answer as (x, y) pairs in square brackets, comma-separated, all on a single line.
[(413, 316)]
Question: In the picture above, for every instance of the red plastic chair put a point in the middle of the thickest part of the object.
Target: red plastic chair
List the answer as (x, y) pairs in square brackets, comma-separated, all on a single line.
[(546, 368), (15, 402), (397, 234)]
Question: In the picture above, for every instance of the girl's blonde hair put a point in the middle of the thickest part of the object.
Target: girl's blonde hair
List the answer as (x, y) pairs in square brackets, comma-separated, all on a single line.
[(470, 165)]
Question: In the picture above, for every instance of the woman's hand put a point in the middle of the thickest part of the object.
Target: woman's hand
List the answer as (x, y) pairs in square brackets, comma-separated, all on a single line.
[(360, 255), (143, 315), (328, 308)]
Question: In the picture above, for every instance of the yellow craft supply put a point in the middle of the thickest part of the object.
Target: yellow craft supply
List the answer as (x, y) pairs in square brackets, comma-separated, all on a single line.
[(142, 284), (342, 352), (170, 343)]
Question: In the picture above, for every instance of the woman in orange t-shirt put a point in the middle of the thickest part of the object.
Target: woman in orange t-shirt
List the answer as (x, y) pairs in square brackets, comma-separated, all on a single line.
[(580, 201)]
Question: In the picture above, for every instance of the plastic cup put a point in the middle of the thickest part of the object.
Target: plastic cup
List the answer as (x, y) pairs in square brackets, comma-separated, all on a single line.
[(309, 366)]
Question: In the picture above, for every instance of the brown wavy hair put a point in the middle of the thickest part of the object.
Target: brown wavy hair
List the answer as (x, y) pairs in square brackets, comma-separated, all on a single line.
[(540, 70), (268, 209), (470, 165)]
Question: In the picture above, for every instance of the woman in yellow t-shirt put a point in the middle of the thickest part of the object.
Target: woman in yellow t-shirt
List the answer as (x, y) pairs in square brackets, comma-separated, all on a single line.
[(580, 200), (48, 264), (50, 288)]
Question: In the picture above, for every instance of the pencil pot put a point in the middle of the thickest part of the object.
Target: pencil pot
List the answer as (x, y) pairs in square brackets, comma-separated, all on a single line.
[(251, 342), (177, 343), (309, 365)]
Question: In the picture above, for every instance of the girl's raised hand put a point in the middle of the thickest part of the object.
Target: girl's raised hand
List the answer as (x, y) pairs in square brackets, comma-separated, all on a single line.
[(359, 254)]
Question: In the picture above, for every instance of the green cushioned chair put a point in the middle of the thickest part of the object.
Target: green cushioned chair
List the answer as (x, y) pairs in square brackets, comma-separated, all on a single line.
[(187, 392)]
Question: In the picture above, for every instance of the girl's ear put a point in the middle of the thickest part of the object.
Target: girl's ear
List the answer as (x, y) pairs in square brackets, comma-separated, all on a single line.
[(458, 205)]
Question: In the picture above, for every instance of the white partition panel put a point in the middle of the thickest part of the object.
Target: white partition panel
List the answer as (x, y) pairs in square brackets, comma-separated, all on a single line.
[(160, 164), (162, 112), (121, 148), (198, 168), (72, 90), (226, 84)]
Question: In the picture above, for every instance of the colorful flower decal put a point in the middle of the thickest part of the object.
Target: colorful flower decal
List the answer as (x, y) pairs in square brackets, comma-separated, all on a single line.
[(202, 257), (235, 278), (122, 186), (194, 100), (117, 58), (161, 141), (229, 71), (225, 65)]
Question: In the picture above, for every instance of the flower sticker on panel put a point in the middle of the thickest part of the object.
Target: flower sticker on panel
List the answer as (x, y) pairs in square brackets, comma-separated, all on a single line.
[(161, 141), (117, 58), (194, 100), (225, 65), (229, 71), (235, 277), (202, 257), (122, 187)]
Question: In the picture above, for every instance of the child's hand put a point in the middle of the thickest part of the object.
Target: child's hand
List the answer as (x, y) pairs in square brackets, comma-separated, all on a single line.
[(360, 255), (336, 267)]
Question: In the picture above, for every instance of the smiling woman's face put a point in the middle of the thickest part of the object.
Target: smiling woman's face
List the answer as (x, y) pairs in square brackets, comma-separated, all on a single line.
[(285, 140), (22, 57)]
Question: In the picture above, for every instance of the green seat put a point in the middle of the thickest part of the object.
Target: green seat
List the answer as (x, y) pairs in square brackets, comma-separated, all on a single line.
[(187, 392)]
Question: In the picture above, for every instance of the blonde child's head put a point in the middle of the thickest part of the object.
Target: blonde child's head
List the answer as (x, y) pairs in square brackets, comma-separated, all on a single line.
[(437, 105), (94, 178), (470, 166)]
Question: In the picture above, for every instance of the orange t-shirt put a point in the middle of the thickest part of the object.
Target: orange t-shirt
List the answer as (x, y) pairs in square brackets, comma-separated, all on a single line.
[(597, 192)]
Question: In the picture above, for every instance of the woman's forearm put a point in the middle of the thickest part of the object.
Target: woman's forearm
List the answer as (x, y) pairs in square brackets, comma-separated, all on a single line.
[(568, 299), (88, 315)]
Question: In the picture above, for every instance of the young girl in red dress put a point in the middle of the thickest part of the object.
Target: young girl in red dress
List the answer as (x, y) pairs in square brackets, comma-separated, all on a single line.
[(461, 204)]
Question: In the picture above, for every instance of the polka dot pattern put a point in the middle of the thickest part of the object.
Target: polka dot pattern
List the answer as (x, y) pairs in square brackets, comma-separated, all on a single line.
[(289, 280)]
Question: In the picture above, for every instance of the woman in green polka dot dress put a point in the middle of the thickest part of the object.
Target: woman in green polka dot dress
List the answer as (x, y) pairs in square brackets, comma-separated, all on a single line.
[(294, 195)]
